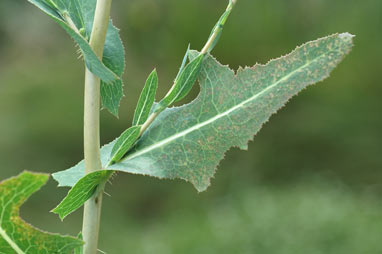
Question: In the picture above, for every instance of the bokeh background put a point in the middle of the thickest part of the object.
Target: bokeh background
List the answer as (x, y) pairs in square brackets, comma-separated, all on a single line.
[(311, 181)]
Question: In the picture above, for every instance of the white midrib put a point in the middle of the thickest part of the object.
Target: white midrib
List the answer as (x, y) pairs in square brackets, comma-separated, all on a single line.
[(218, 116), (14, 246), (144, 104)]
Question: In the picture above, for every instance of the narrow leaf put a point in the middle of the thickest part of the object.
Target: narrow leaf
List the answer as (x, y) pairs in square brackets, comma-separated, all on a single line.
[(188, 142), (17, 236), (146, 100), (184, 83), (81, 192), (124, 143)]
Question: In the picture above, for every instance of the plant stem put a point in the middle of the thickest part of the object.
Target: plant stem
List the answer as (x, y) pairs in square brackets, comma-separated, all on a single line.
[(206, 49), (218, 28), (92, 210)]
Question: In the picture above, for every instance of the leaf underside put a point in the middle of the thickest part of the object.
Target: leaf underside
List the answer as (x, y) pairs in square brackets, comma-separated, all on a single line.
[(188, 142), (16, 236), (110, 70)]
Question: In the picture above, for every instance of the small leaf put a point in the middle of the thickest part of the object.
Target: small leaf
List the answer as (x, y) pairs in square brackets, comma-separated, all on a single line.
[(124, 143), (17, 236), (184, 83), (188, 142), (146, 100), (81, 192)]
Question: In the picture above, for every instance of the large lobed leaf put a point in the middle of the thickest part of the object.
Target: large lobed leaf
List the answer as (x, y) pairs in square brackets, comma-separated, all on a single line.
[(188, 142), (76, 17), (16, 236)]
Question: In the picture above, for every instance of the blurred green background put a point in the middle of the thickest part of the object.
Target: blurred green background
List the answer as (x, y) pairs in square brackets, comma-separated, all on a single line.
[(311, 181)]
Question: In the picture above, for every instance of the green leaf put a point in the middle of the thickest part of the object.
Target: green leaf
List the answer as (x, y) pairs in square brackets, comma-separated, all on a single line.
[(188, 142), (81, 192), (184, 82), (185, 58), (124, 143), (111, 96), (76, 18), (113, 58), (146, 100), (17, 236)]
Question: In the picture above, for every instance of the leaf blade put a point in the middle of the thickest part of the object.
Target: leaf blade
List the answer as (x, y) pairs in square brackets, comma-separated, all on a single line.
[(124, 143), (146, 99), (81, 192), (114, 59), (111, 96)]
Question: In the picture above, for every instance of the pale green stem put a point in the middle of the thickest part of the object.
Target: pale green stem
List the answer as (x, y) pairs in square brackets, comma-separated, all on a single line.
[(149, 122), (218, 28), (92, 210)]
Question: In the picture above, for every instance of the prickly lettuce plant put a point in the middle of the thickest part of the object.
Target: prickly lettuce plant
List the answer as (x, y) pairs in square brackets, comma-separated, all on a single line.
[(164, 141)]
